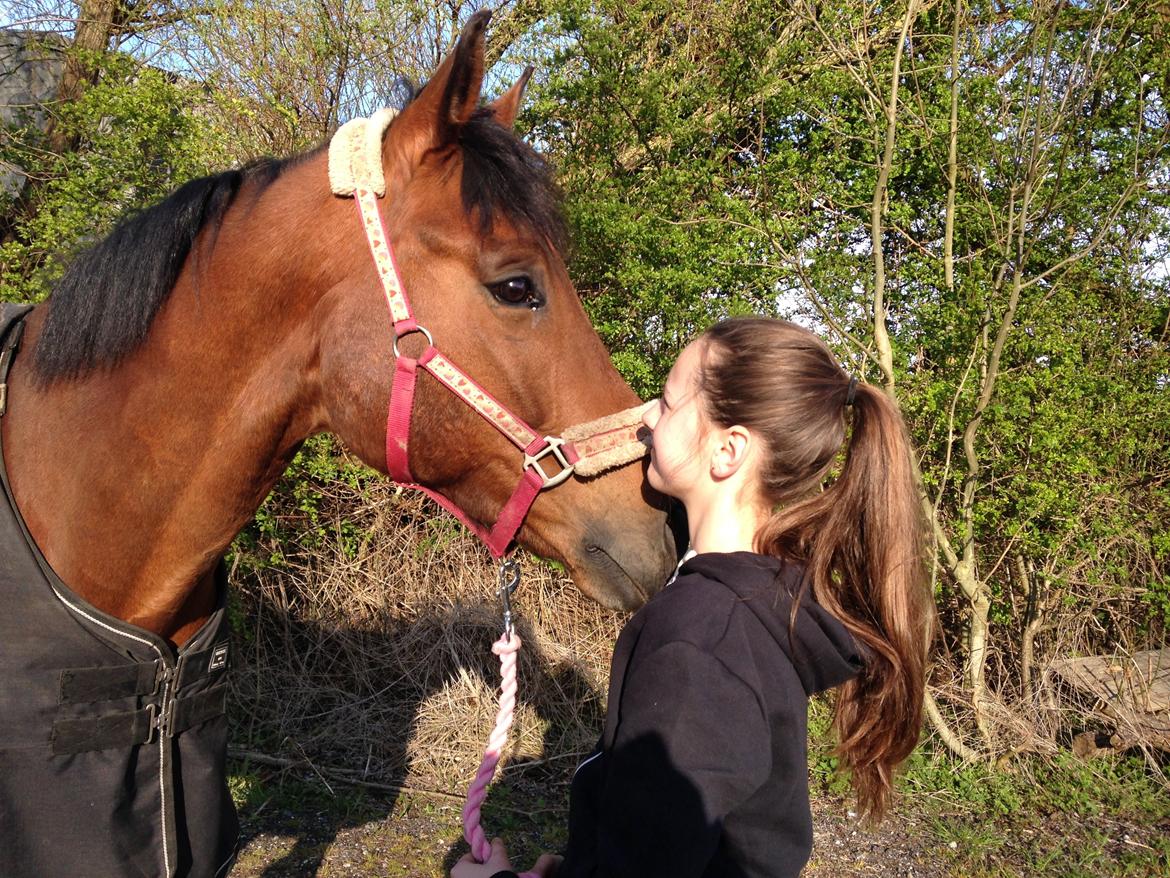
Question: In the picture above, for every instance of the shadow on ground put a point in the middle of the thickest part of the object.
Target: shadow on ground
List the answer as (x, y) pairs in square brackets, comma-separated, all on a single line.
[(363, 725)]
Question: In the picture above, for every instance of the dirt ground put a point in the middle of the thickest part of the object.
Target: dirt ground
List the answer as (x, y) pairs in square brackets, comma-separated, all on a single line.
[(304, 827), (421, 837)]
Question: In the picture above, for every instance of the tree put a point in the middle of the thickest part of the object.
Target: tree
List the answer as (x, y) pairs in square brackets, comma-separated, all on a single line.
[(133, 140), (154, 93), (970, 201)]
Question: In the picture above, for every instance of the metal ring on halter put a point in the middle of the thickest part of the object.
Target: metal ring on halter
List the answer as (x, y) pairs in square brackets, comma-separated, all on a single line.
[(422, 329), (554, 448)]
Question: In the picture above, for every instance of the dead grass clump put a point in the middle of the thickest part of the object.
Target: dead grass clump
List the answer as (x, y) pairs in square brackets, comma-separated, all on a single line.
[(368, 646)]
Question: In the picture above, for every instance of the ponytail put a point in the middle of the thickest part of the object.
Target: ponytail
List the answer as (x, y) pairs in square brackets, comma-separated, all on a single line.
[(861, 539), (863, 544)]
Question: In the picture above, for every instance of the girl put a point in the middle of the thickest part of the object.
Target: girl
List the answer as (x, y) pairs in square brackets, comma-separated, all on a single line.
[(791, 587)]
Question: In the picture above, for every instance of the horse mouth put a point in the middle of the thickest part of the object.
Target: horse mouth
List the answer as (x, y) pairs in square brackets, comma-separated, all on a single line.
[(611, 585)]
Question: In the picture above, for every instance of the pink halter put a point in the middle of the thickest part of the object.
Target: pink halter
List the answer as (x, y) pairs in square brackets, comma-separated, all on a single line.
[(356, 168)]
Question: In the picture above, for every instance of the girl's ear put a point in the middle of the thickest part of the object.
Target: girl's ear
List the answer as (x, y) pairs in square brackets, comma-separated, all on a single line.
[(731, 453)]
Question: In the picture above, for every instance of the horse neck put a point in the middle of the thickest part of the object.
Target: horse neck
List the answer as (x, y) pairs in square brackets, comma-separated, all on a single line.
[(134, 480)]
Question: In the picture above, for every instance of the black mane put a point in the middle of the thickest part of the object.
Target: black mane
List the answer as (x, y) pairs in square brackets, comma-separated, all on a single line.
[(103, 307), (503, 174)]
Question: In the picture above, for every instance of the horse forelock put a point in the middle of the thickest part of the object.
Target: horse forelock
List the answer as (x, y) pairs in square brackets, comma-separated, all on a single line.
[(102, 309), (504, 175)]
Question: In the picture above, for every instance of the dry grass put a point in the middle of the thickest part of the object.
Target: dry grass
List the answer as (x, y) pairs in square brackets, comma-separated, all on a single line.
[(367, 647)]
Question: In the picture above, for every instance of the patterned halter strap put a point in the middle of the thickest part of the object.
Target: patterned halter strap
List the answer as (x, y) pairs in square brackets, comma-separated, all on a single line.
[(355, 169)]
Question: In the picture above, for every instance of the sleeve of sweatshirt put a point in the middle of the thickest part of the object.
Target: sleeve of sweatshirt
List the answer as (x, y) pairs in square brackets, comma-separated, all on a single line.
[(692, 743)]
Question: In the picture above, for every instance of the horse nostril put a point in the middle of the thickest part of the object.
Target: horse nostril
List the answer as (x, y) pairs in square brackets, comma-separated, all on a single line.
[(622, 589)]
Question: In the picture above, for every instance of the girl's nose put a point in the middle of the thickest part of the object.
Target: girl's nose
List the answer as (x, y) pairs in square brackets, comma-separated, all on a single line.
[(650, 415)]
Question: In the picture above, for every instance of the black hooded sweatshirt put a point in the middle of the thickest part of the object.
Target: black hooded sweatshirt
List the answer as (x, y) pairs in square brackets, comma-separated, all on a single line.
[(702, 768)]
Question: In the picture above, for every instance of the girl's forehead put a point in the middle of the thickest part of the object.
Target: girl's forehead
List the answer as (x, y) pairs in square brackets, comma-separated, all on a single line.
[(682, 374)]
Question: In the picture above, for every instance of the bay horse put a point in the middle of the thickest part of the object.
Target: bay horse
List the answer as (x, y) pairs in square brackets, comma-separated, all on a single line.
[(182, 361)]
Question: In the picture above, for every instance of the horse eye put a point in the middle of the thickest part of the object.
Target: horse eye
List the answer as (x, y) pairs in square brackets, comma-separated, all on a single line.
[(517, 291)]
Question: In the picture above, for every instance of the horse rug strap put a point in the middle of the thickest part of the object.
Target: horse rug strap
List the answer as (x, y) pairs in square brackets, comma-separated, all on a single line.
[(112, 744), (11, 329)]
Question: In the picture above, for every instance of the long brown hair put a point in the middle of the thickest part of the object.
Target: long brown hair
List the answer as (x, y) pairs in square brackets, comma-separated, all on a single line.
[(860, 538)]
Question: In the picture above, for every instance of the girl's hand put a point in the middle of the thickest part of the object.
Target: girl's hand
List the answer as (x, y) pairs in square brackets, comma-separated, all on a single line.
[(467, 867), (546, 866)]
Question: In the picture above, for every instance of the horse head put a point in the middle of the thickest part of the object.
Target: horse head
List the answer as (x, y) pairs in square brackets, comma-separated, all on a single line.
[(473, 218)]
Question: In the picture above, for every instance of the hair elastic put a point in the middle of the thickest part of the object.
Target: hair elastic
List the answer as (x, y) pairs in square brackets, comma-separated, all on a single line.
[(851, 393)]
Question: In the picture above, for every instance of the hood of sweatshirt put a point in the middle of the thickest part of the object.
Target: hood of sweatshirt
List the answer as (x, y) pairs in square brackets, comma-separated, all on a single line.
[(821, 650)]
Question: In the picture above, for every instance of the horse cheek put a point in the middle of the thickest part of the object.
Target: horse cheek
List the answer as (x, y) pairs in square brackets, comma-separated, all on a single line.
[(353, 382)]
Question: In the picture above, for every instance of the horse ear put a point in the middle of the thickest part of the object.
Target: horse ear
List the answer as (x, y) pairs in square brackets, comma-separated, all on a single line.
[(507, 106), (447, 101), (465, 77)]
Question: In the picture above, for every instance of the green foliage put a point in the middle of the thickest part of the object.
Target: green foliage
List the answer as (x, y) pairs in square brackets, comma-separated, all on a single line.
[(254, 788), (1048, 816), (1043, 815), (724, 159), (301, 511), (631, 109), (247, 790), (826, 774), (975, 786), (137, 139)]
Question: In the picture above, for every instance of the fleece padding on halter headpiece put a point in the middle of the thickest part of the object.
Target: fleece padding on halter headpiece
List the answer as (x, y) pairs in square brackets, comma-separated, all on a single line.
[(355, 154)]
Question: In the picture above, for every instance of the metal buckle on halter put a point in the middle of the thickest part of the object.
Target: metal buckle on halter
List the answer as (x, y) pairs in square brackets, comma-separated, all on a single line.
[(431, 341), (552, 447), (422, 329)]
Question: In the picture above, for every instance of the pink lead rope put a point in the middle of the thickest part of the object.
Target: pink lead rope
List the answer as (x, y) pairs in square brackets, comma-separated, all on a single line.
[(506, 648)]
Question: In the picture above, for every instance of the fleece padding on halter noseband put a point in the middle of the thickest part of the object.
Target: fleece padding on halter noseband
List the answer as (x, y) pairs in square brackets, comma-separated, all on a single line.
[(610, 442)]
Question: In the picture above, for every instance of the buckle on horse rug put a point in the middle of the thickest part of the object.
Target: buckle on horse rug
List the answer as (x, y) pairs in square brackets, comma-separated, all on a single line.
[(162, 720)]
